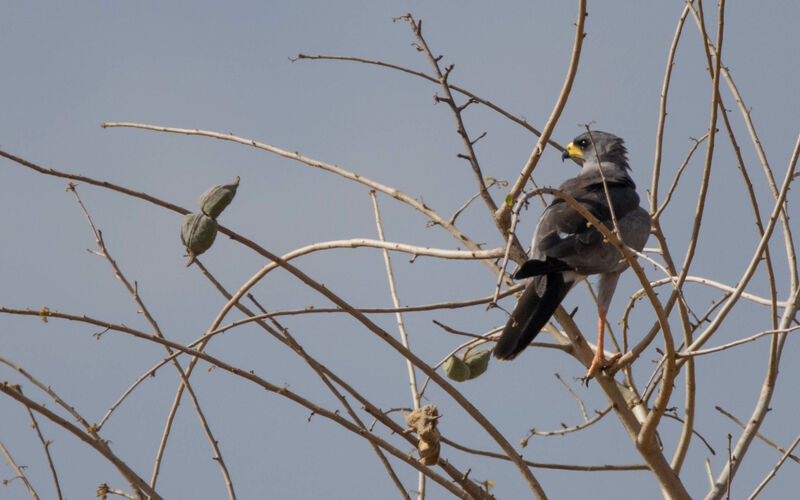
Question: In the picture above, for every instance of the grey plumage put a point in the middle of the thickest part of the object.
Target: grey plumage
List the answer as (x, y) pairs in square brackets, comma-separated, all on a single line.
[(566, 248)]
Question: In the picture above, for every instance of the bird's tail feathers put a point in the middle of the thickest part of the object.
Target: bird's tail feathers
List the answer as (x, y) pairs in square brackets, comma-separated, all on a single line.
[(531, 314), (535, 267)]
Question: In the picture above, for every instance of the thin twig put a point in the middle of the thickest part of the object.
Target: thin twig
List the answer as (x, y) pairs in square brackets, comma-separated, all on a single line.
[(714, 284), (694, 431), (46, 447), (134, 291), (322, 370), (416, 28), (737, 342), (412, 376), (611, 210), (465, 205), (662, 112), (541, 465), (470, 95), (579, 400), (567, 430), (503, 212), (774, 469), (657, 215), (448, 388), (756, 259), (316, 366), (789, 243), (100, 445), (394, 193), (758, 434), (18, 470)]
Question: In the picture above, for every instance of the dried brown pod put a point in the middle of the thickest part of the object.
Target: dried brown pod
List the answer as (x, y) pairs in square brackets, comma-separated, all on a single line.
[(423, 422)]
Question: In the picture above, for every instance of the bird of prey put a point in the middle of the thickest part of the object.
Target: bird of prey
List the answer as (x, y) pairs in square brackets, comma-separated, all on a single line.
[(566, 248)]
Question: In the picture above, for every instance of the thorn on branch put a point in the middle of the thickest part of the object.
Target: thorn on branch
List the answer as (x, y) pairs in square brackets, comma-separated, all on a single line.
[(97, 335), (437, 99), (480, 136)]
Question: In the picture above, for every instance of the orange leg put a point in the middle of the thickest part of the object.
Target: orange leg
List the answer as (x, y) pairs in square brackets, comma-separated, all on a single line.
[(599, 361)]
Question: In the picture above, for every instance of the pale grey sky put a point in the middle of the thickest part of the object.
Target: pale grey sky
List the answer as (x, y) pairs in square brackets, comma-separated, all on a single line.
[(68, 67)]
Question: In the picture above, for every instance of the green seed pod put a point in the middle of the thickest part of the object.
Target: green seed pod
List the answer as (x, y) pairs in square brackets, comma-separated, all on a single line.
[(456, 369), (477, 362), (198, 233), (216, 198)]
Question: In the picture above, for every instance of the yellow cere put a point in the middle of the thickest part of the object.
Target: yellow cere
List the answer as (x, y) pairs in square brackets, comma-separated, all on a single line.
[(574, 151)]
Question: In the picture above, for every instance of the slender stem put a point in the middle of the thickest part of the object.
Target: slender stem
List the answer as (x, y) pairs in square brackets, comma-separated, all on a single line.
[(503, 212), (542, 465), (394, 193), (46, 447), (292, 342), (441, 77), (758, 435), (489, 104), (133, 290), (755, 260), (412, 376), (776, 349), (774, 469), (18, 470), (787, 233), (662, 109), (101, 446), (737, 342)]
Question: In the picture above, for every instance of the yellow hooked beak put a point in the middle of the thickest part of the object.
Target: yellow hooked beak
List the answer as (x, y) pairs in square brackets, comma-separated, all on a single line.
[(572, 151)]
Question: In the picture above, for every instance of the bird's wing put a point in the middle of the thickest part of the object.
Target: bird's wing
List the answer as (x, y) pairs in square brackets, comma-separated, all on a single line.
[(563, 234)]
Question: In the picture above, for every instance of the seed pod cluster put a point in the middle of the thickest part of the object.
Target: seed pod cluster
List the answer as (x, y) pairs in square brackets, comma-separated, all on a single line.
[(199, 230), (472, 365)]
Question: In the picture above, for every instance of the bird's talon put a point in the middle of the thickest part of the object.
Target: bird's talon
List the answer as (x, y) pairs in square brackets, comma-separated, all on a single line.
[(600, 363)]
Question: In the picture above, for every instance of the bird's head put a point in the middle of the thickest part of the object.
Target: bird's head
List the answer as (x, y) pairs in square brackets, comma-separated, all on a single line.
[(595, 147)]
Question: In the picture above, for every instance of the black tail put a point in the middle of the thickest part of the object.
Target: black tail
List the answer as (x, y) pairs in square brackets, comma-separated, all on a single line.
[(531, 314)]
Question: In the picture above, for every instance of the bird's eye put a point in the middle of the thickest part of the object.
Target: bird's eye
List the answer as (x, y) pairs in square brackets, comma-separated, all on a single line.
[(583, 143)]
